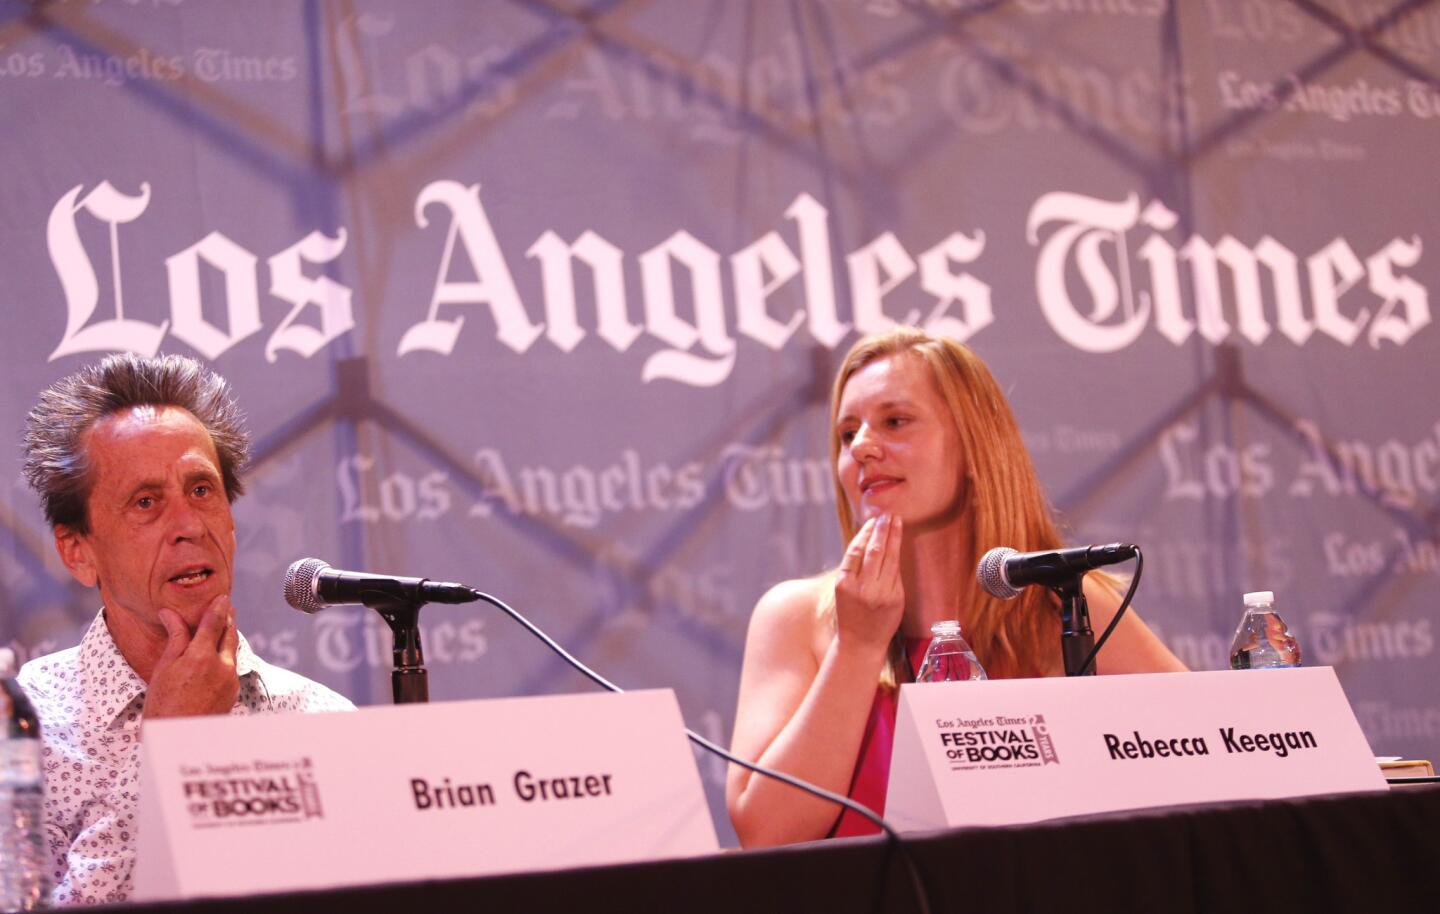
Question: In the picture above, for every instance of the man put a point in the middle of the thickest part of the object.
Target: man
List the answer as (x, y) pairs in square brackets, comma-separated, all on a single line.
[(137, 462)]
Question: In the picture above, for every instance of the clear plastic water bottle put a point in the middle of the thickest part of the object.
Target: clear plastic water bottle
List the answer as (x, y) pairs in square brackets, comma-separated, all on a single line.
[(1263, 641), (22, 796), (949, 657)]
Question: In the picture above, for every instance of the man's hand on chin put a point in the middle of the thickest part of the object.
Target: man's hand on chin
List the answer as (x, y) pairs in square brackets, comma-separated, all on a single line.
[(196, 673)]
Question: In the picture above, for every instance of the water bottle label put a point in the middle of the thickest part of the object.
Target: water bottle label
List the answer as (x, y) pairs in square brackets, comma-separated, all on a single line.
[(19, 763)]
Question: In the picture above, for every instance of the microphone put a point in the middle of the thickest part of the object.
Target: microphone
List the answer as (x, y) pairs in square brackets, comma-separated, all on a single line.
[(311, 585), (1003, 571)]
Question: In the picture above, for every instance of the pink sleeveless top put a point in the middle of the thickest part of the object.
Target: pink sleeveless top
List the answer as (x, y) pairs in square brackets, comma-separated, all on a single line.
[(872, 768)]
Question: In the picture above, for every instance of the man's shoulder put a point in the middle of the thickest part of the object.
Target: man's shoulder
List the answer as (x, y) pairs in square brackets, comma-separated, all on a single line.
[(290, 691), (54, 685), (51, 675)]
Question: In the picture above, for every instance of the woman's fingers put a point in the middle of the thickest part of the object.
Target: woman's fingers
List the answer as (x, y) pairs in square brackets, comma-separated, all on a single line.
[(869, 595), (874, 554), (854, 559), (875, 549), (889, 571)]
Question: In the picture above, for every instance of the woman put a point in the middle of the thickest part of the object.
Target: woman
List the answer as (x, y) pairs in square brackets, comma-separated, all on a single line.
[(930, 470)]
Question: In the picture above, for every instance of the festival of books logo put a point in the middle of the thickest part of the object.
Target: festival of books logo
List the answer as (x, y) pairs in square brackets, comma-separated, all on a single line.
[(999, 742), (261, 791)]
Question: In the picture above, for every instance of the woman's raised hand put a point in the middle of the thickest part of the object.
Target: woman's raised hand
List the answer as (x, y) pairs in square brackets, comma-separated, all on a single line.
[(869, 596)]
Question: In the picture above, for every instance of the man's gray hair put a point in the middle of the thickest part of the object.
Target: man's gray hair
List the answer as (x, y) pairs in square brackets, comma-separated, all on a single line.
[(56, 463)]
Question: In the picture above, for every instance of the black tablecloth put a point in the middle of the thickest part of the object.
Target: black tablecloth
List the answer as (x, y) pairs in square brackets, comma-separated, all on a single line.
[(1356, 853)]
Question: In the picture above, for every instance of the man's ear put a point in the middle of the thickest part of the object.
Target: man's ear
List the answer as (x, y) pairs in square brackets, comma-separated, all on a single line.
[(74, 550)]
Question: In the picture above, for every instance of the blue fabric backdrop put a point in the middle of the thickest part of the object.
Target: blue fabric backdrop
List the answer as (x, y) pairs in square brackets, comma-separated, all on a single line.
[(545, 297)]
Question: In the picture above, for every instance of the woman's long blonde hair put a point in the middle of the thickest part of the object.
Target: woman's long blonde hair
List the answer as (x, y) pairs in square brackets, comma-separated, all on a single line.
[(1003, 503)]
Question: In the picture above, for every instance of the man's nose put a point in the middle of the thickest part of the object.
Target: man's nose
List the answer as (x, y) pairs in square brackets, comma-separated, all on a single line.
[(184, 520)]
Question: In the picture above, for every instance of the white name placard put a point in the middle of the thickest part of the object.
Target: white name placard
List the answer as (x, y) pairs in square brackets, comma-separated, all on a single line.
[(268, 803), (1021, 750)]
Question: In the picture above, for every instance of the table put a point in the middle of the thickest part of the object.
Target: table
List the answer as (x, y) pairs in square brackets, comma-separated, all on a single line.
[(1352, 853)]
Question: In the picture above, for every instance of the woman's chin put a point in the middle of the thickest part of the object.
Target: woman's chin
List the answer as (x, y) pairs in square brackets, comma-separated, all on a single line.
[(868, 512)]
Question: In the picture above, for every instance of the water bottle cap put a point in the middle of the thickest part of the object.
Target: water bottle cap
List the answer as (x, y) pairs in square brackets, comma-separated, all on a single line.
[(7, 662), (1255, 598), (945, 627)]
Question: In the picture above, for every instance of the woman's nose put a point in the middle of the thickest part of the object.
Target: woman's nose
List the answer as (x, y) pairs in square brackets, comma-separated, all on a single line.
[(864, 446)]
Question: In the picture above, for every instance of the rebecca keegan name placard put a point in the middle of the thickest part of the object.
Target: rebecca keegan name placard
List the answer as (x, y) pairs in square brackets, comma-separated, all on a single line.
[(1022, 750)]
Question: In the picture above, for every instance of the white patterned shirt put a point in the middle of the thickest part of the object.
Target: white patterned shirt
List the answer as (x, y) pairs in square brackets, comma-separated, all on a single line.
[(89, 702)]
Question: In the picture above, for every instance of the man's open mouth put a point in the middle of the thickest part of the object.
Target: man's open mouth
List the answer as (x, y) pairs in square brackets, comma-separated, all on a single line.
[(191, 576)]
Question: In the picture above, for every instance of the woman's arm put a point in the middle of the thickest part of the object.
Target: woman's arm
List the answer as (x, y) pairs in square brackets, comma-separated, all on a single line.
[(806, 716), (1133, 648)]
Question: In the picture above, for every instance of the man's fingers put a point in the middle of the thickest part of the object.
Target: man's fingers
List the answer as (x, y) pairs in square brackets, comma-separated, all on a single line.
[(196, 674), (213, 624), (177, 636), (230, 643)]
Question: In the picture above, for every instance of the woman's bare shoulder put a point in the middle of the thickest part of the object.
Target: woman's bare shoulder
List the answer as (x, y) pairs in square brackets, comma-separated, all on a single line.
[(794, 595), (791, 609)]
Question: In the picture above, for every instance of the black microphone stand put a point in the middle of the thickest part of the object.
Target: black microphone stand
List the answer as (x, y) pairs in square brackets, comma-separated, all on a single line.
[(1077, 639), (409, 682)]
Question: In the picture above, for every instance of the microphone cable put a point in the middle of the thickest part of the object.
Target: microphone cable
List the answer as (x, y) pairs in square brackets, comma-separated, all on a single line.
[(1124, 605), (917, 882)]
